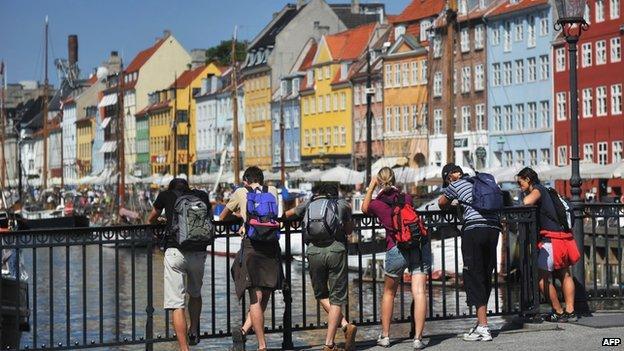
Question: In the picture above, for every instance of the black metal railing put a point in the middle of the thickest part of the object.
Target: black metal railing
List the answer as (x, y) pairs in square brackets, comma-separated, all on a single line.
[(103, 287)]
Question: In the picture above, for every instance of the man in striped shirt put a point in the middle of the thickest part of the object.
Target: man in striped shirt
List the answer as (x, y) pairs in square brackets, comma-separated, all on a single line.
[(479, 241)]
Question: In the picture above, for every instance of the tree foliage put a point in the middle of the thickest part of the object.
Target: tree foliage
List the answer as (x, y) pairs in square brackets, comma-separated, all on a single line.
[(222, 53)]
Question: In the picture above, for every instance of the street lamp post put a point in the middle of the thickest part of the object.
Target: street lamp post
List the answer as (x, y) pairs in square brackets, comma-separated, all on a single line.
[(572, 24)]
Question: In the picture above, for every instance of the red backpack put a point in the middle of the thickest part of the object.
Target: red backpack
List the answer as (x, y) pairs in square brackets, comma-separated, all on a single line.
[(408, 227)]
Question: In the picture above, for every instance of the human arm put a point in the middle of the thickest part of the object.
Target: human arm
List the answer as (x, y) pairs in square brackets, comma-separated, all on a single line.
[(232, 205), (532, 198), (153, 216), (447, 197), (369, 194)]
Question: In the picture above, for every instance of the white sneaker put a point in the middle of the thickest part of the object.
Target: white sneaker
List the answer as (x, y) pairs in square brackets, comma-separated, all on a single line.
[(419, 344), (383, 341), (478, 333)]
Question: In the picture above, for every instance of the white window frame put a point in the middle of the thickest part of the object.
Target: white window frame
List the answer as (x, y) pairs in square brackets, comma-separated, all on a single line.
[(601, 101), (480, 117), (614, 9), (507, 77), (518, 30), (508, 118), (507, 36), (531, 33), (617, 151), (586, 55), (562, 155), (479, 77), (545, 113), (519, 74), (464, 35), (599, 11), (616, 99), (496, 74), (544, 67), (561, 59), (531, 69), (388, 75), (466, 79), (437, 84), (603, 152), (437, 121), (520, 117), (562, 106), (497, 119), (544, 24), (588, 102), (478, 36), (437, 46), (615, 49), (495, 33), (601, 52), (466, 115), (588, 152), (405, 74)]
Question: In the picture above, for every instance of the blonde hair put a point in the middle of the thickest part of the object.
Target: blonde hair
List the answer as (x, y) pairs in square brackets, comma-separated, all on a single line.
[(386, 178)]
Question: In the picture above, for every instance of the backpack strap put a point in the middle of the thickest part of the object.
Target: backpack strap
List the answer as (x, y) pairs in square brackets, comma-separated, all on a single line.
[(265, 189)]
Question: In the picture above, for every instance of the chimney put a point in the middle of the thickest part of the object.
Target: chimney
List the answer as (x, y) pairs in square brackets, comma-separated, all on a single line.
[(355, 6), (198, 57), (166, 34), (319, 30), (72, 49), (300, 4), (213, 83)]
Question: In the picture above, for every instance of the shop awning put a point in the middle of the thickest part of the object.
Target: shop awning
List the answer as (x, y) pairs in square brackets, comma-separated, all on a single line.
[(108, 146), (105, 122), (108, 100)]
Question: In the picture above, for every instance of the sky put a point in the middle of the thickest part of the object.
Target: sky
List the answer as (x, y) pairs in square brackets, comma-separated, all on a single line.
[(126, 26)]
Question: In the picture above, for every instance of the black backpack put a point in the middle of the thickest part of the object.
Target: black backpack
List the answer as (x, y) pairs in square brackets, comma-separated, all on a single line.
[(321, 221), (563, 210)]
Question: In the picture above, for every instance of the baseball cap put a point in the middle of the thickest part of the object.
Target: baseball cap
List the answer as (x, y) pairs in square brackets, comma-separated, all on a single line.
[(448, 169)]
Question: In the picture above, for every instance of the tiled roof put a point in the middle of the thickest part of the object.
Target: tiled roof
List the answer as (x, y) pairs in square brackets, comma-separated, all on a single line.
[(307, 61), (154, 107), (187, 77), (92, 80), (348, 45), (508, 7), (141, 58), (419, 9), (350, 19)]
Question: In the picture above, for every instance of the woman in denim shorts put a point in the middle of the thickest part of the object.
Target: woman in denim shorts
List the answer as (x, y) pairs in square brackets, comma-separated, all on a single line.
[(416, 260)]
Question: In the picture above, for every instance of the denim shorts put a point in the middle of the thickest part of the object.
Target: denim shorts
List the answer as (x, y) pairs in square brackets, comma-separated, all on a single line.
[(397, 261)]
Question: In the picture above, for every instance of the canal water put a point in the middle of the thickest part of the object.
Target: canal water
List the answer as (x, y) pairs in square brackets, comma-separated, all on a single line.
[(101, 296)]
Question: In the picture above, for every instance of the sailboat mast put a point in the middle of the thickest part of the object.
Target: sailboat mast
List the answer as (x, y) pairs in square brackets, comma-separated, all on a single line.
[(3, 126), (188, 132), (121, 151), (235, 111), (175, 125), (449, 57), (44, 182)]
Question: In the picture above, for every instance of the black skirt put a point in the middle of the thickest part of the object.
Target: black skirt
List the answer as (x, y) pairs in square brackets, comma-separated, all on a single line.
[(257, 266)]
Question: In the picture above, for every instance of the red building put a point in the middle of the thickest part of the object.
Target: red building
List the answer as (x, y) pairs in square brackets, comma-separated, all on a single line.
[(600, 85)]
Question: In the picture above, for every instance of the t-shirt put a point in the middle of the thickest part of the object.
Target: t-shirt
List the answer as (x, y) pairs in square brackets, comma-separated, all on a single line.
[(166, 200), (380, 209), (238, 201), (344, 215), (461, 190)]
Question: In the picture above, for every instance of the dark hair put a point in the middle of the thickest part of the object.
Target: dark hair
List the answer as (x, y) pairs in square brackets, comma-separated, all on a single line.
[(179, 184), (329, 189), (530, 174), (253, 174)]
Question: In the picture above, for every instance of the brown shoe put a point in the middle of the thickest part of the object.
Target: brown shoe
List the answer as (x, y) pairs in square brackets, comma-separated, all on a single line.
[(349, 331), (332, 348)]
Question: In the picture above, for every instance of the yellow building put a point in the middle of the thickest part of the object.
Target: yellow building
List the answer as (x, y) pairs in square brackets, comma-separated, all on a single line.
[(84, 142), (405, 101), (257, 89), (326, 97), (158, 115)]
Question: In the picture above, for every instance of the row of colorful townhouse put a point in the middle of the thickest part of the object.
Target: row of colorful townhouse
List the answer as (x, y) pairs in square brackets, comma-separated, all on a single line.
[(309, 67)]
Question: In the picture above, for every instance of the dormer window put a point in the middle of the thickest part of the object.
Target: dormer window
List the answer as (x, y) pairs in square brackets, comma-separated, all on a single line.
[(310, 77), (462, 8), (295, 85), (344, 69), (399, 31), (284, 88)]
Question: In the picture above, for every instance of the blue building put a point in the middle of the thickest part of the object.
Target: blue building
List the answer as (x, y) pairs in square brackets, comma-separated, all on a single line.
[(286, 101), (97, 157), (519, 78)]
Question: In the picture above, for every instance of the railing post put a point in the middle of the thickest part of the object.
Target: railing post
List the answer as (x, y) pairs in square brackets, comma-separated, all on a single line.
[(287, 343), (1, 331), (149, 323)]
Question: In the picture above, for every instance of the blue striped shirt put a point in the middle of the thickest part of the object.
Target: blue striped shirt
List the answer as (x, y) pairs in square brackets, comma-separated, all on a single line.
[(461, 190)]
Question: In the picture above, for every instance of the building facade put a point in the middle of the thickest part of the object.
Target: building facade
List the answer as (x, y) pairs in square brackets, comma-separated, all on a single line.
[(519, 84), (286, 106)]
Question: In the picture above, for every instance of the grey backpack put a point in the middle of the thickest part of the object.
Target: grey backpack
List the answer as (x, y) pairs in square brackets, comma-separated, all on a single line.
[(321, 221), (191, 221)]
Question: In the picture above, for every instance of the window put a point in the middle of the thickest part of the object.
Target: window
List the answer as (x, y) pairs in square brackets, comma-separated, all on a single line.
[(397, 75), (616, 50), (495, 34), (545, 114), (601, 52), (465, 119), (586, 14), (464, 40), (586, 50), (405, 74), (462, 7), (601, 101), (437, 84), (531, 32), (544, 67), (335, 101), (437, 121), (313, 141), (599, 11), (480, 112), (520, 116), (343, 136), (588, 152), (319, 74), (327, 103), (423, 72), (388, 70), (397, 119), (614, 9), (588, 102), (506, 73), (546, 156), (497, 119), (519, 71), (356, 94), (532, 115), (508, 117), (415, 124), (520, 157), (496, 74), (478, 78), (406, 116), (478, 37), (562, 155), (276, 121), (437, 46), (616, 99), (617, 151), (320, 104), (312, 105), (602, 153), (343, 101), (328, 136), (336, 137), (327, 72), (561, 106), (508, 158), (518, 30), (507, 37), (532, 69), (544, 26), (533, 157), (413, 73), (424, 29), (388, 119), (466, 78), (321, 138), (561, 59)]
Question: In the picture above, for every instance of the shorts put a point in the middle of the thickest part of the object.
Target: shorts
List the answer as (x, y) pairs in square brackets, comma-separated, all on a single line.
[(545, 259), (183, 274), (328, 272), (417, 261)]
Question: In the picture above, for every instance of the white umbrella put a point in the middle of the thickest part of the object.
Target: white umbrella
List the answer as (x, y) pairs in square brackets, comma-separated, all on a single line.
[(388, 162), (313, 175), (342, 175), (589, 170), (298, 174), (405, 175)]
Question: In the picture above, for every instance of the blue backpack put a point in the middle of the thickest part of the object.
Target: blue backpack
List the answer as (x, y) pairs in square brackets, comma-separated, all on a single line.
[(261, 224), (487, 196)]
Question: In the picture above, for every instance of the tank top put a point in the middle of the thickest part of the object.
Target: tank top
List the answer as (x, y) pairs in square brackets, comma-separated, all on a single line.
[(546, 211)]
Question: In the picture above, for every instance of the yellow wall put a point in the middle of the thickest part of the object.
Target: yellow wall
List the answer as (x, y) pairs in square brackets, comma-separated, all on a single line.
[(405, 96), (257, 99), (337, 117), (84, 137), (160, 146), (183, 94)]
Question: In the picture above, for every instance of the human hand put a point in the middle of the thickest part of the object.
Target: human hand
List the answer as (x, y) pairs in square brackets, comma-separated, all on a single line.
[(373, 182)]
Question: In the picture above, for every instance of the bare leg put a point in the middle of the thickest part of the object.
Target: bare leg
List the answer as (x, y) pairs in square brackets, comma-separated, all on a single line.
[(256, 312), (550, 291), (567, 284), (326, 306), (387, 303), (194, 308), (333, 321), (247, 326), (419, 282), (179, 325), (482, 315)]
